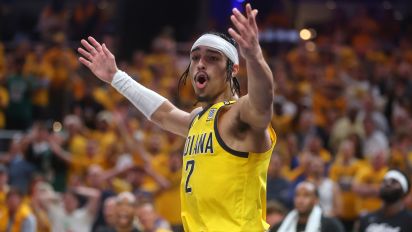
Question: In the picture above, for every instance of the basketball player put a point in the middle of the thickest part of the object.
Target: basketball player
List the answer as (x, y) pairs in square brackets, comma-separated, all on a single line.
[(228, 141)]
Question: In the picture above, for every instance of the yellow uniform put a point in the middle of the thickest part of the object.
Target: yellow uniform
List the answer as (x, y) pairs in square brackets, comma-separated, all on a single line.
[(222, 189)]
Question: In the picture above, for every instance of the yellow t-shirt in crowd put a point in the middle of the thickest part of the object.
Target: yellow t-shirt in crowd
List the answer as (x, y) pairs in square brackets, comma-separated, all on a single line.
[(367, 175), (4, 101), (343, 175), (167, 202)]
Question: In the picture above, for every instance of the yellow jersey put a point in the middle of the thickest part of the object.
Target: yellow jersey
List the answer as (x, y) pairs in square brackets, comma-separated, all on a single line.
[(222, 189)]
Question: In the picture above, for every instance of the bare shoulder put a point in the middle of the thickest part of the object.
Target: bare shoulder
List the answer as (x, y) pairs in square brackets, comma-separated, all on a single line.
[(195, 112)]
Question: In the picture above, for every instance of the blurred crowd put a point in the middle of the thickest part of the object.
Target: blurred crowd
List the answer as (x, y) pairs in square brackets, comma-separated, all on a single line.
[(82, 158)]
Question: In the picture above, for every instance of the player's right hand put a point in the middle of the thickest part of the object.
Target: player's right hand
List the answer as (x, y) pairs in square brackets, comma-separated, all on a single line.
[(98, 59)]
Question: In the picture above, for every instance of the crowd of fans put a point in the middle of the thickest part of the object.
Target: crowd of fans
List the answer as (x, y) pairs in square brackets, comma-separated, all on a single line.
[(81, 158)]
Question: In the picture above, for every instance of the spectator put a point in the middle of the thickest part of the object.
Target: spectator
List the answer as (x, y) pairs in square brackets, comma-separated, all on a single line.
[(38, 151), (53, 18), (39, 188), (4, 102), (41, 71), (18, 216), (66, 215), (367, 183), (275, 213), (20, 171), (345, 126), (278, 187), (109, 212), (307, 215), (401, 151), (96, 178), (314, 145), (19, 109), (393, 216), (125, 213), (328, 190), (343, 171), (169, 167), (4, 187), (374, 139), (149, 220)]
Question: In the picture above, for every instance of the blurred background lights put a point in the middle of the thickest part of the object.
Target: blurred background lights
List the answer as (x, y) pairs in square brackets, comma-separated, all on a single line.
[(57, 126), (307, 34), (310, 46)]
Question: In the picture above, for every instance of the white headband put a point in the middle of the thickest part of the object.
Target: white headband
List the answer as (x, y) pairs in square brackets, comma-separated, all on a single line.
[(396, 175), (218, 43)]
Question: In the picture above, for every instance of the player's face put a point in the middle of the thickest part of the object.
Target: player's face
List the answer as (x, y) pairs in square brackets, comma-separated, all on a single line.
[(305, 198), (391, 190), (208, 73)]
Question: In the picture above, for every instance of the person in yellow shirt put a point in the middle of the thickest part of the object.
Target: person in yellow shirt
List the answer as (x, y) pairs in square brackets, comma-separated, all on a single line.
[(401, 152), (367, 183), (167, 198), (315, 146), (4, 187), (78, 165), (39, 188), (18, 216), (4, 101), (229, 140), (41, 72), (328, 103), (343, 171)]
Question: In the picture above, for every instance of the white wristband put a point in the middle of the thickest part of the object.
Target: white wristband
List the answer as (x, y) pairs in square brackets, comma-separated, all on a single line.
[(145, 100)]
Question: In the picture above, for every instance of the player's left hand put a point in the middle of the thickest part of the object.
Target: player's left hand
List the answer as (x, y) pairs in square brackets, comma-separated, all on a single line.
[(247, 32)]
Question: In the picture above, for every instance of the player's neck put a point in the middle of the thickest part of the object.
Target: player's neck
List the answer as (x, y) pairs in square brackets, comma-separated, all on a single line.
[(227, 95), (392, 209)]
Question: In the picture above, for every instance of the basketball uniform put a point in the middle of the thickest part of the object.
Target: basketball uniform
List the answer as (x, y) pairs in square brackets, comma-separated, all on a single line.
[(222, 189)]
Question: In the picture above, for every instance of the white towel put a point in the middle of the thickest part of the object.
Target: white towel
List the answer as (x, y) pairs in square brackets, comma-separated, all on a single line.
[(289, 224)]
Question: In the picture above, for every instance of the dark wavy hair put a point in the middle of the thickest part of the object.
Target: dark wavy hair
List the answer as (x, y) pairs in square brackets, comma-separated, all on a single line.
[(233, 82)]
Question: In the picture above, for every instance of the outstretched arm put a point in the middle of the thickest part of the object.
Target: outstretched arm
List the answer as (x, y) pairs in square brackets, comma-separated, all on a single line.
[(156, 108), (256, 106)]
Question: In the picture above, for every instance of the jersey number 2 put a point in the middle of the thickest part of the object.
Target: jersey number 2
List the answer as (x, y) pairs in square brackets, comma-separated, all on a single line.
[(190, 166)]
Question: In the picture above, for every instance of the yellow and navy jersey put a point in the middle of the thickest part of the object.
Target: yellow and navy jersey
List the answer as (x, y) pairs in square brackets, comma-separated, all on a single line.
[(222, 189)]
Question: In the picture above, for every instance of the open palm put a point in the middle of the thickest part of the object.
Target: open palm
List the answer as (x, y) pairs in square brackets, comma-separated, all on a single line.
[(98, 59), (247, 32)]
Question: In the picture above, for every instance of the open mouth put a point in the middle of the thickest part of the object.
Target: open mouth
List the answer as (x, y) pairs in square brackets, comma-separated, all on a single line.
[(201, 80)]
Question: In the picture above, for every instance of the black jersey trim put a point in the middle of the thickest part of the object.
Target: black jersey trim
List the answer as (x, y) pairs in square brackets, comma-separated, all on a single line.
[(198, 115), (193, 119), (204, 110), (241, 154)]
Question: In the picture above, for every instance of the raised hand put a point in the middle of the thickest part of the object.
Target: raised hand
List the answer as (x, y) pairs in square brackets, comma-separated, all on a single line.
[(98, 59), (247, 32)]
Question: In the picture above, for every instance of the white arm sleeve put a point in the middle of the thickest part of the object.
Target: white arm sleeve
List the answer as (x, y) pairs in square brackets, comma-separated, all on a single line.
[(145, 100)]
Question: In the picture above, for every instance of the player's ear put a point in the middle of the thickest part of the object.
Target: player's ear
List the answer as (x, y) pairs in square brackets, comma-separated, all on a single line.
[(235, 70)]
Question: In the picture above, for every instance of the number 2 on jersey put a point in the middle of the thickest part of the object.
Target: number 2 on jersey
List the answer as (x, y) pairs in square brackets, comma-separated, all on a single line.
[(190, 166)]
